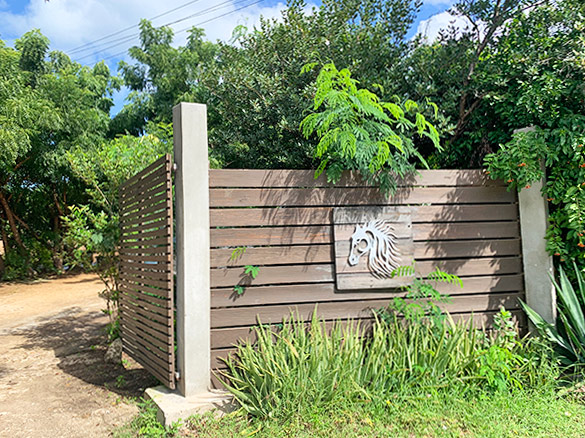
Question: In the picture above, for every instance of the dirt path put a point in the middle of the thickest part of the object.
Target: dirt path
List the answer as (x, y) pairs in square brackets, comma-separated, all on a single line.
[(53, 378)]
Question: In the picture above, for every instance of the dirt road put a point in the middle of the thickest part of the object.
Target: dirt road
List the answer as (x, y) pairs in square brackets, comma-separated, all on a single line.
[(53, 378)]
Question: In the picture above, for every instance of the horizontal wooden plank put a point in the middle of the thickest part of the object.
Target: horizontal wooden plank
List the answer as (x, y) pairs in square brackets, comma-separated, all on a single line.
[(234, 237), (148, 309), (247, 316), (147, 260), (143, 202), (248, 217), (306, 178), (129, 294), (161, 249), (478, 266), (164, 376), (154, 270), (284, 255), (226, 338), (160, 293), (158, 232), (133, 277), (321, 273), (146, 346), (160, 323), (145, 213), (147, 222), (144, 183), (357, 196), (135, 242), (150, 361), (311, 293), (160, 162), (148, 196), (142, 331)]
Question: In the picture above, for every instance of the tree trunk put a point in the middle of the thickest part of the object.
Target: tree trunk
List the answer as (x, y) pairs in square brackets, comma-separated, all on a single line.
[(12, 222)]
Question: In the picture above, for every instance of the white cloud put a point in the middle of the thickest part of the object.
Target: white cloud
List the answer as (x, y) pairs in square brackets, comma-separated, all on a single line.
[(430, 28), (72, 23)]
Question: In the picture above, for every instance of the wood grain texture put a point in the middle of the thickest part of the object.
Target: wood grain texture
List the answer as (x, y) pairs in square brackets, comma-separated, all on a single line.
[(357, 196), (146, 267), (323, 234), (247, 316), (321, 292), (322, 273), (288, 255), (279, 216), (225, 338), (305, 178)]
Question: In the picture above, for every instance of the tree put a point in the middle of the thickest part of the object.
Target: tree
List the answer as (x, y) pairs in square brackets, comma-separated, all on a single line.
[(48, 104)]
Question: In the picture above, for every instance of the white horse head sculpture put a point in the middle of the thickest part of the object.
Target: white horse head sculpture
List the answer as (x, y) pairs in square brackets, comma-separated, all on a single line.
[(376, 238)]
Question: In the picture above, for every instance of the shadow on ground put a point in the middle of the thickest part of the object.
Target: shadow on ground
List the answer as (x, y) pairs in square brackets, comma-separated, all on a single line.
[(79, 342)]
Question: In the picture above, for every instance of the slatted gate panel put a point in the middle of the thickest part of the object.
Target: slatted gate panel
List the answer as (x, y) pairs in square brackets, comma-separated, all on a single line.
[(146, 270), (462, 222)]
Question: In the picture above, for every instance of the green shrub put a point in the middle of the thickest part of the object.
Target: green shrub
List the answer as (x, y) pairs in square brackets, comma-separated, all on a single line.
[(303, 366), (568, 336)]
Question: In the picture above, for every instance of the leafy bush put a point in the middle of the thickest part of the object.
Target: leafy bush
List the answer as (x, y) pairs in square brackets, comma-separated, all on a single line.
[(568, 336), (359, 132), (301, 367)]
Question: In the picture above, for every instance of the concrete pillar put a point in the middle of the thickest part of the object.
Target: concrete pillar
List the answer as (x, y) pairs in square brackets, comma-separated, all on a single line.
[(192, 248), (538, 265)]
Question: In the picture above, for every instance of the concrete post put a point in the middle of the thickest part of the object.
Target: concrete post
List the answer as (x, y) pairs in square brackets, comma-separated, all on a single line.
[(192, 248), (538, 265)]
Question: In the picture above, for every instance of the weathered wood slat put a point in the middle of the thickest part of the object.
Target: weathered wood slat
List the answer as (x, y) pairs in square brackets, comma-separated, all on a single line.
[(132, 278), (142, 203), (246, 316), (251, 178), (161, 162), (159, 249), (158, 328), (140, 330), (248, 217), (154, 178), (147, 222), (152, 311), (138, 307), (138, 244), (146, 354), (144, 213), (147, 258), (357, 196), (322, 273), (226, 338), (161, 293), (146, 269), (159, 232), (154, 270), (283, 255), (314, 235), (320, 292), (151, 366)]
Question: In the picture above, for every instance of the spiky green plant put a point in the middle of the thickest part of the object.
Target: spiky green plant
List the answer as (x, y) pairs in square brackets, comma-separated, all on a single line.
[(568, 335)]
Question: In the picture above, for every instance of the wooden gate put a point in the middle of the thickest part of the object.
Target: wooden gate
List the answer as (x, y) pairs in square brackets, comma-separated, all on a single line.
[(146, 270)]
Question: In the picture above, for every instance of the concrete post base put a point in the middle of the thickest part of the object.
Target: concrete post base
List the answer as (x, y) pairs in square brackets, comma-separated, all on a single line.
[(172, 407)]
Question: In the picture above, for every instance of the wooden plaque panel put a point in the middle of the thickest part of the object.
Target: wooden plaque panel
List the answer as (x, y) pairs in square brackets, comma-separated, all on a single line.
[(362, 275)]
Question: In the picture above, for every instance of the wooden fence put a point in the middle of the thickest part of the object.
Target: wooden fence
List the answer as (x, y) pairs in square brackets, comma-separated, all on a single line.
[(281, 220), (146, 270)]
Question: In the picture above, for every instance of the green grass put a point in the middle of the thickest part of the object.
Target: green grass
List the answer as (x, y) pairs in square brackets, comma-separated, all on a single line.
[(526, 414), (500, 415)]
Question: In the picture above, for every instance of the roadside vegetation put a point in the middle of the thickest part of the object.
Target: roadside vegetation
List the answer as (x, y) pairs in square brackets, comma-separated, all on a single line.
[(339, 89)]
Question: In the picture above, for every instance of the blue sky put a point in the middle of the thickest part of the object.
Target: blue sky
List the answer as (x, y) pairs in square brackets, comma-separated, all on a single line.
[(72, 25)]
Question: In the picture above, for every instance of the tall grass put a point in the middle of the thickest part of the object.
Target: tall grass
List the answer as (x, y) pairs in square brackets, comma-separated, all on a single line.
[(306, 365)]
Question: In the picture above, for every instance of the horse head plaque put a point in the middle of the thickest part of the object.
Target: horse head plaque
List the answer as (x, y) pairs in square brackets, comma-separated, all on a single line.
[(370, 243)]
